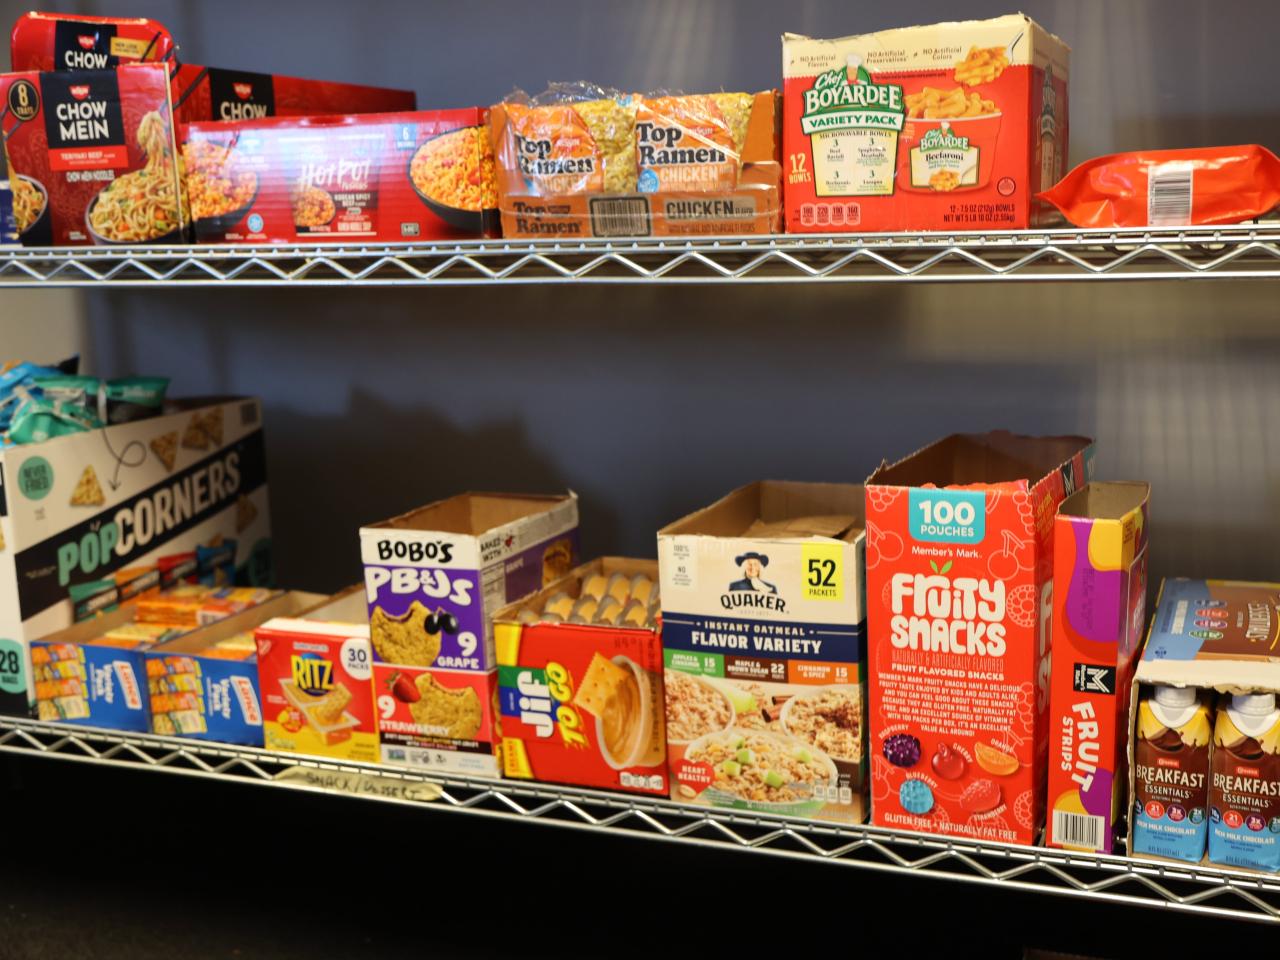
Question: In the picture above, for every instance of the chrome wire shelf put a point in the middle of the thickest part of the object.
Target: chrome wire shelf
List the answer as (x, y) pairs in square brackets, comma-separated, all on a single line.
[(1138, 882), (1235, 252)]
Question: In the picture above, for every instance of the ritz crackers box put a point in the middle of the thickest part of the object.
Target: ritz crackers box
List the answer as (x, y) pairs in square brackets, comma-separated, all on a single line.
[(97, 511), (567, 717), (763, 645), (1099, 611), (959, 587), (954, 126), (433, 578)]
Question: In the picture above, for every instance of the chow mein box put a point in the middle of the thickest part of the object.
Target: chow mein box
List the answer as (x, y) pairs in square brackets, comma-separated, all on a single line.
[(580, 680), (381, 177), (763, 629), (91, 156), (58, 41), (954, 126), (597, 163)]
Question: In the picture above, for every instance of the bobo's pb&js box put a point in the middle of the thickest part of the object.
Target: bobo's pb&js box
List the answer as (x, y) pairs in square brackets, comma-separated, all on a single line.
[(960, 596), (433, 578), (762, 630), (954, 126), (580, 680), (1099, 611)]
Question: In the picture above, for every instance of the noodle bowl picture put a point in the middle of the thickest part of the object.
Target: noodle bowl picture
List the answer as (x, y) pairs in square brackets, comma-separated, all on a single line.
[(29, 202), (454, 175), (217, 187), (312, 207), (143, 205)]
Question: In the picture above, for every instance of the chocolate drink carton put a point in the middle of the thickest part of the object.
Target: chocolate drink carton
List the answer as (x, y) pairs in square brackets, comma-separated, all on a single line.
[(1171, 773), (1244, 786)]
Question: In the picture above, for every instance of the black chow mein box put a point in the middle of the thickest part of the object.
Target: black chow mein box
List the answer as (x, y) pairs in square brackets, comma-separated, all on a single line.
[(91, 156)]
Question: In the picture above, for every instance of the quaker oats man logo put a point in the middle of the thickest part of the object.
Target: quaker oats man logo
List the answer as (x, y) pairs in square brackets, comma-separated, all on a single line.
[(752, 565)]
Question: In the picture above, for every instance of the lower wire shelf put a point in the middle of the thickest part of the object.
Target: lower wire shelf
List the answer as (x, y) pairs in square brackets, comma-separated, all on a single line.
[(1186, 888)]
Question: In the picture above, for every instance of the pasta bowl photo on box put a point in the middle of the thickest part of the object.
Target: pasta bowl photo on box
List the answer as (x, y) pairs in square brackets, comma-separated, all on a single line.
[(448, 173)]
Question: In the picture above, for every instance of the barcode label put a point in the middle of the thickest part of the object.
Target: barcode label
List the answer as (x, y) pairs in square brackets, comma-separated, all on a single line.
[(620, 217), (1079, 830), (1169, 194)]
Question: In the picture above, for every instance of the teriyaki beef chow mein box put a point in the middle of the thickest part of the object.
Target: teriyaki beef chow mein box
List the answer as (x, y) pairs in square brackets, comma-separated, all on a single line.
[(91, 156), (392, 176), (55, 41)]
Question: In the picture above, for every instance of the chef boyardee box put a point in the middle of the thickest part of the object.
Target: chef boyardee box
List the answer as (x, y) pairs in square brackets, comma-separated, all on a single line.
[(79, 512), (433, 579), (763, 635)]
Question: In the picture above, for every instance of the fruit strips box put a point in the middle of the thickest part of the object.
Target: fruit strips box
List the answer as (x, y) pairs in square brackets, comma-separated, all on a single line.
[(580, 697), (1099, 611), (954, 126), (433, 578), (763, 631), (111, 504), (960, 594), (389, 176)]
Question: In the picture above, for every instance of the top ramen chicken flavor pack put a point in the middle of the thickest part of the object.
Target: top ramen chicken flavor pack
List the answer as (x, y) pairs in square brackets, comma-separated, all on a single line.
[(91, 156), (581, 161), (954, 126)]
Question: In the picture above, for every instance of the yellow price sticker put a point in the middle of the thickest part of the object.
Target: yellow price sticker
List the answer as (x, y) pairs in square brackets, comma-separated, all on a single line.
[(821, 570)]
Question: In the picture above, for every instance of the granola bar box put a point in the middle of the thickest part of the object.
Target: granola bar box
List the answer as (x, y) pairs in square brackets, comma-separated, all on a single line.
[(763, 645), (388, 177), (955, 126), (433, 579), (580, 680), (92, 521), (960, 542)]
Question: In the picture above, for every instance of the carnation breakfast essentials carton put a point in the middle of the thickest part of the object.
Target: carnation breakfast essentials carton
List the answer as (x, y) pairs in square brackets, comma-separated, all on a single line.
[(433, 578), (960, 596), (762, 632)]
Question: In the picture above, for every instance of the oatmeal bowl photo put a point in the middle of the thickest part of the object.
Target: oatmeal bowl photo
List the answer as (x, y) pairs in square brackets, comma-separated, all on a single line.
[(830, 719), (764, 772), (695, 708)]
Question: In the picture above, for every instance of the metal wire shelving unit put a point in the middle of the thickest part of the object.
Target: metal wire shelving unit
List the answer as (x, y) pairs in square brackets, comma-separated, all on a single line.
[(1186, 888), (1237, 252)]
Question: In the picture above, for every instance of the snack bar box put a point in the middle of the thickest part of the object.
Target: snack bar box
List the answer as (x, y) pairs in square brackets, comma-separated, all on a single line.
[(204, 684), (86, 519), (388, 177), (1099, 611), (433, 578), (954, 126), (763, 630), (580, 681), (960, 596)]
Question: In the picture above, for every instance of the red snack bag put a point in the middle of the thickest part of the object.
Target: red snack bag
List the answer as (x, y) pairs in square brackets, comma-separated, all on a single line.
[(1204, 185)]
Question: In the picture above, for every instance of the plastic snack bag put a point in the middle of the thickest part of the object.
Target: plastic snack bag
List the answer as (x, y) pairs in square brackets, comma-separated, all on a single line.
[(1167, 188)]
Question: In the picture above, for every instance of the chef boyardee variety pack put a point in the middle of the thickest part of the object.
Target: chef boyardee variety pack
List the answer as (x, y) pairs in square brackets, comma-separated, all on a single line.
[(433, 579)]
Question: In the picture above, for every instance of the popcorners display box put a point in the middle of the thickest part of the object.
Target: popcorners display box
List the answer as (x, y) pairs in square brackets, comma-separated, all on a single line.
[(89, 519)]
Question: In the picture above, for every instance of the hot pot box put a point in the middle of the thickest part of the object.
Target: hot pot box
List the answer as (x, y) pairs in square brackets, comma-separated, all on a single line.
[(97, 520), (636, 166), (390, 176), (954, 126), (763, 646), (580, 680), (92, 156), (960, 540)]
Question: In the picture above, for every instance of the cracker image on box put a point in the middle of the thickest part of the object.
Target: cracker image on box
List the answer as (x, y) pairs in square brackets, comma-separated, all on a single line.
[(88, 492), (165, 447)]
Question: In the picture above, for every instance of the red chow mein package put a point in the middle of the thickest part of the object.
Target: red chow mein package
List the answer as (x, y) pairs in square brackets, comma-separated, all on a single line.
[(1204, 185), (59, 41)]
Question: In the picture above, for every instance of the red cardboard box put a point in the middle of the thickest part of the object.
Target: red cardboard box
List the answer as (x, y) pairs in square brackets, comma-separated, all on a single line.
[(959, 596), (389, 177), (581, 696), (55, 41)]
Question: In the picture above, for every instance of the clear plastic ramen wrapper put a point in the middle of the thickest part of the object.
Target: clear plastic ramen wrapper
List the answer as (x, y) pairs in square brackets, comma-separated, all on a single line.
[(1205, 185)]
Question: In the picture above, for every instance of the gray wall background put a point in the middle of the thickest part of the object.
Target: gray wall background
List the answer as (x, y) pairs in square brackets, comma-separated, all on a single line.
[(651, 402)]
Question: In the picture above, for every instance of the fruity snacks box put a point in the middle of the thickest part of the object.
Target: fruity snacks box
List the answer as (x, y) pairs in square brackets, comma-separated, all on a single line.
[(960, 594), (580, 680), (433, 578), (581, 161), (389, 177), (763, 645), (955, 126), (93, 519), (1197, 781), (1099, 611)]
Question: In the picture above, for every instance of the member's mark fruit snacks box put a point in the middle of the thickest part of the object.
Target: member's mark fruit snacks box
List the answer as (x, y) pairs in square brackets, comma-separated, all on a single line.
[(763, 645), (960, 597), (433, 578), (954, 126), (1099, 612), (580, 680)]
